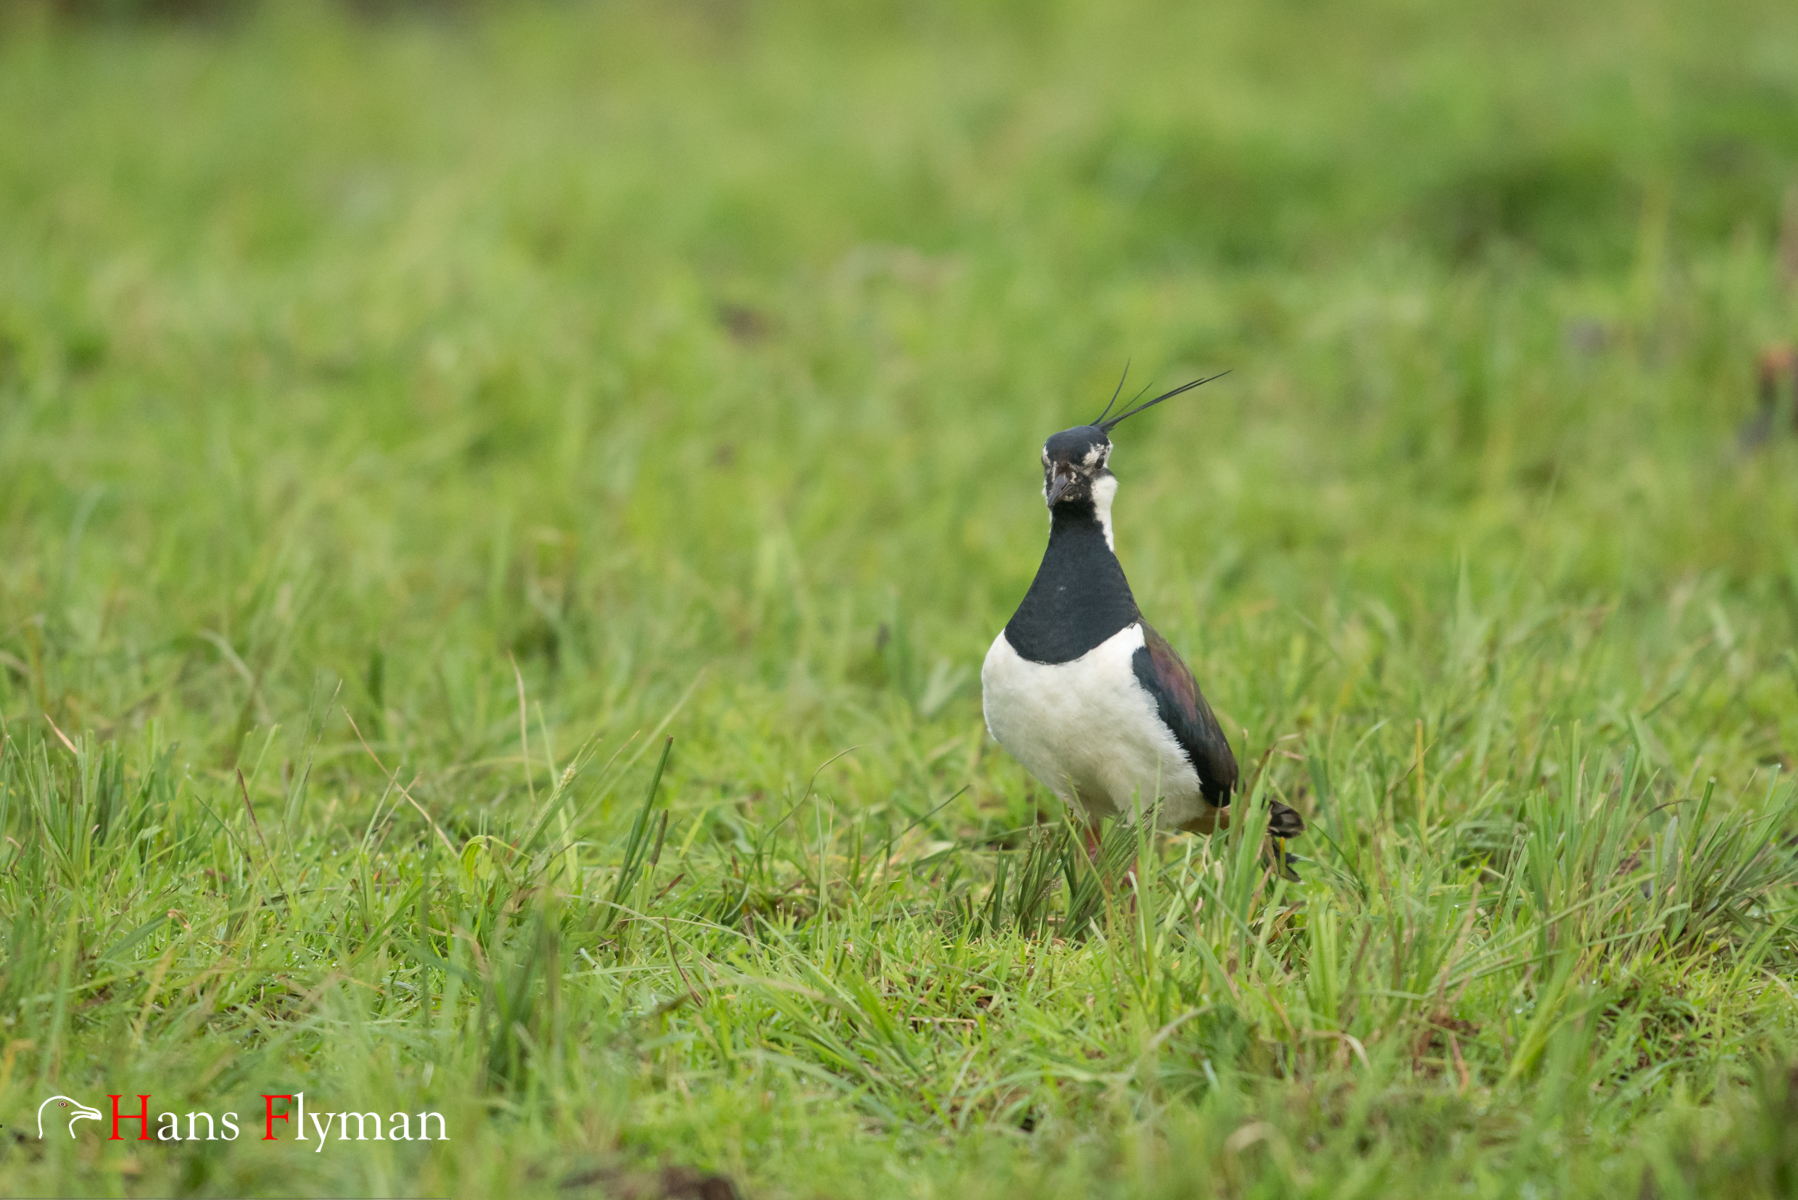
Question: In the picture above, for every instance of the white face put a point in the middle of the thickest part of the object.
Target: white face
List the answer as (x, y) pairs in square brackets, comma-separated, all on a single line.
[(1075, 478), (1094, 459)]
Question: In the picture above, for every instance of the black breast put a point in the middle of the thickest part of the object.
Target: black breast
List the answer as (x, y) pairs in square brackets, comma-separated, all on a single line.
[(1079, 597)]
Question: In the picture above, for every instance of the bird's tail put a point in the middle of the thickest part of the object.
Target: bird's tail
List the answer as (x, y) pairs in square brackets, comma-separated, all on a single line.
[(1284, 822)]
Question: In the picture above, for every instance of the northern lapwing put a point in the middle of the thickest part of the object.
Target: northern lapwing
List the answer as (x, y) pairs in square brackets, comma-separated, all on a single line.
[(1083, 691)]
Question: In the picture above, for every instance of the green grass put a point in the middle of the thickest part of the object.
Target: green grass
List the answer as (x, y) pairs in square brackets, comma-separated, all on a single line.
[(407, 425)]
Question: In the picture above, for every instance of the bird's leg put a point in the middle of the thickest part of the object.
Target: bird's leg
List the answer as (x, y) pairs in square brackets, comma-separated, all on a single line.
[(1095, 853)]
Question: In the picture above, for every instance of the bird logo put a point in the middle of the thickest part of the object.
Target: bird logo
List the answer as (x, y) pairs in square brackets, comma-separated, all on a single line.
[(81, 1112)]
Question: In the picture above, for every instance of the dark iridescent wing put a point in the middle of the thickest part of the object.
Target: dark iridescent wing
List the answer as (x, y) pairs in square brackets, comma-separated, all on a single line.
[(1165, 677)]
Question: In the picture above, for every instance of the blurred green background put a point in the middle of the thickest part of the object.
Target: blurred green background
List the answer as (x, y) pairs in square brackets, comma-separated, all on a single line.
[(636, 338), (694, 357)]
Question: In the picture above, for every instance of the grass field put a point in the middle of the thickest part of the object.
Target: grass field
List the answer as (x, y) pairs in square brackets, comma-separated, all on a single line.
[(409, 424)]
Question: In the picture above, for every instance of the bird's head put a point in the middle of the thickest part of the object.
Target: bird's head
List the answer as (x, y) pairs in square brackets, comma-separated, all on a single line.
[(1075, 460), (76, 1109)]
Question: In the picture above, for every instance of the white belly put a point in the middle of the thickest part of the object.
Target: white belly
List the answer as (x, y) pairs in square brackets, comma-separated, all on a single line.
[(1089, 731)]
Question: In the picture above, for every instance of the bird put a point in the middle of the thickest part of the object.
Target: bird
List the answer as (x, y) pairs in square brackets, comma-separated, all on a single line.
[(1083, 691)]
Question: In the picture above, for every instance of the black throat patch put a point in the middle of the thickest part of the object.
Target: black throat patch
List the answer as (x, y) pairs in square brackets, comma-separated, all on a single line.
[(1079, 596)]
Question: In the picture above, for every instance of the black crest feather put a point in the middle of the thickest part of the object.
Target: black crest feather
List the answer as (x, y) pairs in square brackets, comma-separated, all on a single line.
[(1105, 426), (1116, 391)]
